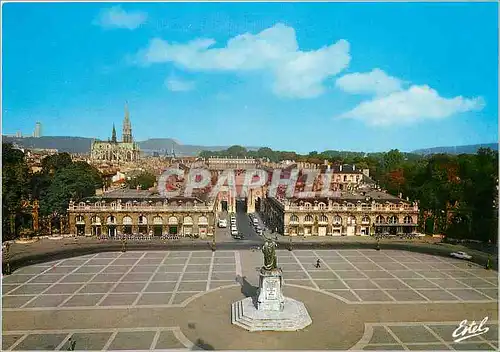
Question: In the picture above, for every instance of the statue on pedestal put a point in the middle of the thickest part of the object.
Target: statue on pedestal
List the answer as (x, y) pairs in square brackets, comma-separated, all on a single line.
[(270, 310)]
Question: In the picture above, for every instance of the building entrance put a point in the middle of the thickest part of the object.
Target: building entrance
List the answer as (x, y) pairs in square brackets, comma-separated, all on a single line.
[(241, 205)]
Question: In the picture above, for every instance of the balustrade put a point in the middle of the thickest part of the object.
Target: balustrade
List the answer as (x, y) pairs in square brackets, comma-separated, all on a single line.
[(136, 208)]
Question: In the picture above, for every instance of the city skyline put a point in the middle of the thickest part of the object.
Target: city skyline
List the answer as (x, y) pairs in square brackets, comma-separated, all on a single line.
[(289, 76)]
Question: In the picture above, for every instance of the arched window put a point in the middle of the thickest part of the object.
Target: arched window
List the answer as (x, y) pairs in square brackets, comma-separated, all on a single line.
[(187, 220), (335, 206), (307, 205), (337, 219), (127, 220), (202, 220), (408, 220), (81, 204), (351, 220), (95, 220), (350, 205), (294, 218), (157, 220), (111, 219), (321, 206), (80, 219), (128, 205), (379, 219), (393, 220), (323, 218), (308, 218), (143, 220), (366, 219)]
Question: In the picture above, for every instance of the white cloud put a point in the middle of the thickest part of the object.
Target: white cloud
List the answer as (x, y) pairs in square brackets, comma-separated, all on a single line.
[(116, 17), (411, 105), (296, 73), (177, 85), (375, 82)]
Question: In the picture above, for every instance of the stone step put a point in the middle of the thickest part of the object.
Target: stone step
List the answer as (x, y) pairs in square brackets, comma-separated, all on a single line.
[(246, 318), (233, 313), (239, 317)]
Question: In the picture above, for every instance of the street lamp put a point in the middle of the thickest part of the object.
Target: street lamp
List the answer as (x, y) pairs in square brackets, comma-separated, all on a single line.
[(7, 259)]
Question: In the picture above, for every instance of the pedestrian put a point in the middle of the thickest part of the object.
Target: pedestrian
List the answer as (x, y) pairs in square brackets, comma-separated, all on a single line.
[(318, 263)]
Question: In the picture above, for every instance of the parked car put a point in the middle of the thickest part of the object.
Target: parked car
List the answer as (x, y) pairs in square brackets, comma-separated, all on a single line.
[(223, 223), (238, 237), (461, 255), (234, 232)]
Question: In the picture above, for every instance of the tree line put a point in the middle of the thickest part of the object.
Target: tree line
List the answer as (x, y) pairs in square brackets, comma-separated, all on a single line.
[(59, 180)]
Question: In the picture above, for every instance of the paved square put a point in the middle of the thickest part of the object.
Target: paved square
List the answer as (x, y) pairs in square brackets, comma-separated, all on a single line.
[(158, 282)]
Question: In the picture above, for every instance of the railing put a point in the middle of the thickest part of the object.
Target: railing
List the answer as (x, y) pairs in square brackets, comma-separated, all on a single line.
[(354, 209), (141, 208)]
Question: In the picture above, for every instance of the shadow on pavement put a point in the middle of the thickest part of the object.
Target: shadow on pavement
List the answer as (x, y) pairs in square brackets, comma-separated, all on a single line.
[(246, 288), (202, 345)]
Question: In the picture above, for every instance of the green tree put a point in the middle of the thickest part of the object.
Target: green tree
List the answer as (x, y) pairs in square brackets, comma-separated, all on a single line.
[(55, 162), (144, 180), (15, 187), (75, 181), (236, 151)]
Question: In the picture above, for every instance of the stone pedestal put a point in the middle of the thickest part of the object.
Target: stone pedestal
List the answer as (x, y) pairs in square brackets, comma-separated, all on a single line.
[(270, 295), (270, 310)]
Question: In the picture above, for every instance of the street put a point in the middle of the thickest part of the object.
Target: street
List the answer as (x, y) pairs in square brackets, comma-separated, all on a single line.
[(245, 227)]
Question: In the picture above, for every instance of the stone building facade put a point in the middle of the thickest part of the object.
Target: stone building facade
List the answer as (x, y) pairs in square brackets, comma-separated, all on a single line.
[(115, 151), (352, 214), (141, 212), (215, 163)]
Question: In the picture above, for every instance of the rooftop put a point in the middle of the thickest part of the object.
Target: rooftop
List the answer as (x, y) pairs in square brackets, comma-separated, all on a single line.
[(140, 195)]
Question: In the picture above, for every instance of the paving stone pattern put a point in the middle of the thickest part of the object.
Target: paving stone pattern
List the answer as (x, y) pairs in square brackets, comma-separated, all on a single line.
[(389, 276), (119, 279), (426, 337), (170, 278)]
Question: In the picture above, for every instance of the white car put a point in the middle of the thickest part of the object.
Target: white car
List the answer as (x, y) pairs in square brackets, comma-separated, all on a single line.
[(223, 223), (461, 255), (234, 232)]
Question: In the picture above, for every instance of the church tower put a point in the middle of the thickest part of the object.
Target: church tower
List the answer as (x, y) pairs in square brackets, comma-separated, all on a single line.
[(127, 127), (113, 134)]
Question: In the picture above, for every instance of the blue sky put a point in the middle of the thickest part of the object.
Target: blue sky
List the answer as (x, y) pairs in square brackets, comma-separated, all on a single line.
[(291, 76)]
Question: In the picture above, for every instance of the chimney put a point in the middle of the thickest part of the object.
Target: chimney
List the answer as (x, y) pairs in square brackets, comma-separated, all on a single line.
[(353, 167), (400, 195), (340, 167)]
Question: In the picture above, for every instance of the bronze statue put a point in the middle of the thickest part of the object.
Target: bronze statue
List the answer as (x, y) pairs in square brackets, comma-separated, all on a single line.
[(269, 251)]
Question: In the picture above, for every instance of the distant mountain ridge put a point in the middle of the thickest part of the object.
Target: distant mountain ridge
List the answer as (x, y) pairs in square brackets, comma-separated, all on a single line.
[(83, 144), (460, 149), (166, 145)]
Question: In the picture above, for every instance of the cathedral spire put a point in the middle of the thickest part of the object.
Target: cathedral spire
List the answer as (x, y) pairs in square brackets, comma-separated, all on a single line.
[(113, 134), (127, 127)]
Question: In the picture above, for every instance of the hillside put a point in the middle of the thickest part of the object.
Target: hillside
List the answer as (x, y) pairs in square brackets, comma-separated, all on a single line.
[(62, 144), (165, 145), (82, 145), (461, 149)]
